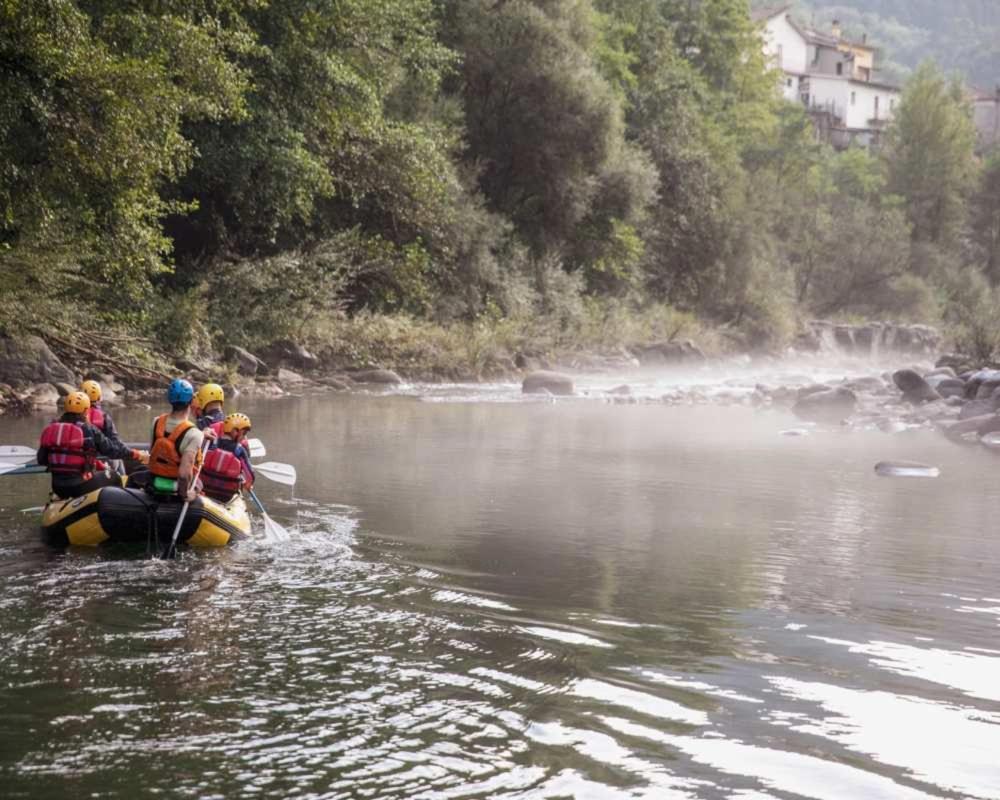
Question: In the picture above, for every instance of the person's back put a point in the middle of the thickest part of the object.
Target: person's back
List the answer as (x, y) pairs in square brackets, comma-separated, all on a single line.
[(176, 445), (97, 415), (69, 448), (227, 467), (210, 400)]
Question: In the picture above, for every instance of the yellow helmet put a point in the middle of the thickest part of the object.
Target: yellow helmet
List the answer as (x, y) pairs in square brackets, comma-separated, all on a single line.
[(209, 393), (76, 403), (236, 422), (93, 390)]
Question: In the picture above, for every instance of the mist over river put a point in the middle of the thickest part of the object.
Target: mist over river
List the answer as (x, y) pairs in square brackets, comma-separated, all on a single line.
[(492, 597)]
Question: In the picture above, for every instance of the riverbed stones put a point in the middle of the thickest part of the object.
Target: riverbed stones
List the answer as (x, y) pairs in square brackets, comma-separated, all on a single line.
[(621, 391), (546, 381), (288, 354), (288, 379), (381, 377), (915, 389), (682, 352), (27, 360), (949, 387), (246, 363), (827, 404)]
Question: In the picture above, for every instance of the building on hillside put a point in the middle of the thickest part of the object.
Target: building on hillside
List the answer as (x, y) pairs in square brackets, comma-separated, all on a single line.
[(986, 113), (835, 79)]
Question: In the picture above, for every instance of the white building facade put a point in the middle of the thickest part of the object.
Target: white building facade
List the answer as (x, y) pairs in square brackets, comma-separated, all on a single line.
[(831, 77)]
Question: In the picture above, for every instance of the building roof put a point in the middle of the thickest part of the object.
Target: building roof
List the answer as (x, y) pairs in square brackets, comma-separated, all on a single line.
[(769, 12)]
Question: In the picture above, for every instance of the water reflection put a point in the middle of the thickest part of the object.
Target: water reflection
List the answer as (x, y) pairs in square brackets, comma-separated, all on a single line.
[(526, 601)]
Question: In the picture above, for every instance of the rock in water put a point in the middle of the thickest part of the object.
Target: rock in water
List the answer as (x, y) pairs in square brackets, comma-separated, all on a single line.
[(545, 381), (385, 377), (827, 405), (914, 388), (905, 469)]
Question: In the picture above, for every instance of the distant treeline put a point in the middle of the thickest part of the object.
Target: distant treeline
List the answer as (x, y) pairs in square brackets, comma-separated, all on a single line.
[(210, 171)]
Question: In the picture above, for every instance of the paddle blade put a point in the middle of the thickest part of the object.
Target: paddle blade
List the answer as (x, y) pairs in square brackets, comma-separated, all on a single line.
[(16, 453), (279, 473), (905, 469), (274, 532), (257, 449), (22, 469)]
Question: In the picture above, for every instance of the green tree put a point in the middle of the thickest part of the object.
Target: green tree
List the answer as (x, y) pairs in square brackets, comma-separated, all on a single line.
[(986, 217)]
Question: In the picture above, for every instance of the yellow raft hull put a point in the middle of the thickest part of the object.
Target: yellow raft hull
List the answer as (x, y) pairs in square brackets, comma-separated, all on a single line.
[(113, 514)]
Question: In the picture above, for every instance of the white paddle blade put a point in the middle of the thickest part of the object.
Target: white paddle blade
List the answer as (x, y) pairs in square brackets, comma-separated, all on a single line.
[(16, 453), (279, 473), (274, 532), (257, 449), (905, 469)]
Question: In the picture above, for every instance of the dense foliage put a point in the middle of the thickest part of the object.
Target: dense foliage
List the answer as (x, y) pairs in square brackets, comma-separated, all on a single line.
[(207, 171)]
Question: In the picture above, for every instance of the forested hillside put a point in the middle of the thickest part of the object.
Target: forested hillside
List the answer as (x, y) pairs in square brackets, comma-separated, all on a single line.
[(962, 35), (176, 175)]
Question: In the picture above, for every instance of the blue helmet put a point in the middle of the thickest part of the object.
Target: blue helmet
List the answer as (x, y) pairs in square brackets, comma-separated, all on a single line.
[(180, 391)]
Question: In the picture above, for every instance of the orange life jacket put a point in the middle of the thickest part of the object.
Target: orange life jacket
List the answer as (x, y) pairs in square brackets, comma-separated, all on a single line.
[(164, 454)]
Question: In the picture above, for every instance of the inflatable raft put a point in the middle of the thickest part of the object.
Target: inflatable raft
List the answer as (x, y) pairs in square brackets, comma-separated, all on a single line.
[(112, 514)]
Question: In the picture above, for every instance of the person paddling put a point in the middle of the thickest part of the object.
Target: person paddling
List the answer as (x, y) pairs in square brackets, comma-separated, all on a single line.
[(176, 446), (227, 467), (69, 448), (210, 401), (96, 415)]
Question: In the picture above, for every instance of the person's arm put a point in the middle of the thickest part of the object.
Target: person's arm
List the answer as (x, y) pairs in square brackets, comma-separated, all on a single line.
[(43, 456), (112, 448), (109, 428), (185, 486)]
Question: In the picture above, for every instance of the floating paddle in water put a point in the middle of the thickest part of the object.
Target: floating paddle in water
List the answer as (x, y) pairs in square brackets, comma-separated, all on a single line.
[(279, 473), (905, 469), (16, 453), (272, 530)]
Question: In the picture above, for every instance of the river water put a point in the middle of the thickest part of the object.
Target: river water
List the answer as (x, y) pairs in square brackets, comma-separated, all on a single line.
[(490, 598)]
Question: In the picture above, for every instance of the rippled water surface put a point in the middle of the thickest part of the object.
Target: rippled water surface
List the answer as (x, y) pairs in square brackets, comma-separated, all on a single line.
[(569, 599)]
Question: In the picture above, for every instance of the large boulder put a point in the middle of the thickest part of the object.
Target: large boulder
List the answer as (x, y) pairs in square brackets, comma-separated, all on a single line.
[(28, 360), (246, 363), (42, 397), (286, 353), (682, 352), (827, 404), (543, 381), (913, 386), (949, 387), (287, 379), (978, 408), (384, 377)]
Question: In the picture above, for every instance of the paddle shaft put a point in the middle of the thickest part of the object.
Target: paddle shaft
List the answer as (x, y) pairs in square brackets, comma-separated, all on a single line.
[(187, 503)]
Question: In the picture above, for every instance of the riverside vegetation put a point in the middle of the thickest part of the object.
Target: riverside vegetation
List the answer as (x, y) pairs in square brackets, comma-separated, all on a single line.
[(439, 186)]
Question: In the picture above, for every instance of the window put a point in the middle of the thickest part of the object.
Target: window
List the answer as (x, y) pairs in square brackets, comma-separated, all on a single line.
[(840, 67), (854, 98), (876, 106), (816, 54), (789, 84)]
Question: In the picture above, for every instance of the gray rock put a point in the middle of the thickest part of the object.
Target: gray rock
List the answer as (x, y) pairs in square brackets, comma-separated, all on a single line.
[(385, 377), (286, 353), (941, 372), (870, 384), (64, 388), (949, 387), (815, 388), (914, 388), (287, 379), (978, 408), (621, 391), (831, 404), (544, 381), (683, 352), (43, 396), (335, 384), (246, 362), (28, 360)]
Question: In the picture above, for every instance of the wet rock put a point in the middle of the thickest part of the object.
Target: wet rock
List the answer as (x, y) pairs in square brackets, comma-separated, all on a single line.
[(246, 362), (914, 388), (683, 352), (949, 387), (288, 354), (812, 389), (957, 361), (978, 408), (27, 360), (871, 384), (621, 391), (981, 425), (977, 379), (42, 397), (384, 377), (830, 404), (65, 388), (334, 383), (545, 381), (941, 372)]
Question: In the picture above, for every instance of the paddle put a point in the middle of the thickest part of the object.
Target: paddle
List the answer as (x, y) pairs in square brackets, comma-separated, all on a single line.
[(279, 473), (271, 528), (16, 453), (22, 469), (172, 547), (256, 448)]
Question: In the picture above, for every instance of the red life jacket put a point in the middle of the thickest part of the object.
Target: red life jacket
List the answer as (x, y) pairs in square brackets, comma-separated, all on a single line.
[(70, 450), (95, 416), (221, 474)]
